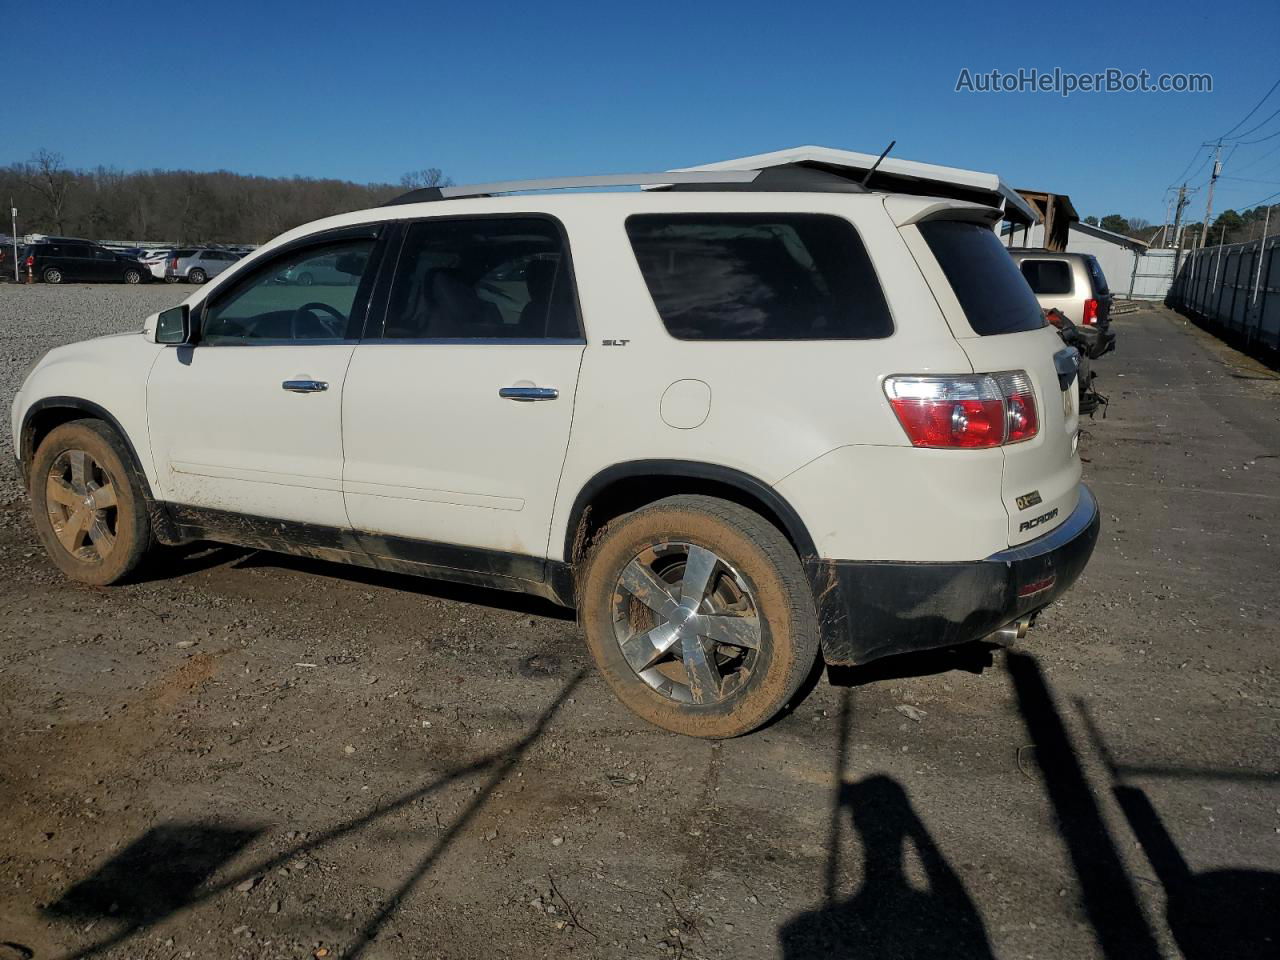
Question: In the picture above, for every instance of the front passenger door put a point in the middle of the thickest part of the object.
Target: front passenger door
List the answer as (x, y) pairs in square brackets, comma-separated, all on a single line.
[(249, 420)]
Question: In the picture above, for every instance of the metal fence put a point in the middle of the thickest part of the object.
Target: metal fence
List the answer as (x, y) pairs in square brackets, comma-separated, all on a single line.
[(1236, 287)]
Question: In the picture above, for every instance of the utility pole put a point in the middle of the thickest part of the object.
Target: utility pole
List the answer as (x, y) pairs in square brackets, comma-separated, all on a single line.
[(1208, 205), (1177, 228), (13, 212), (1164, 227)]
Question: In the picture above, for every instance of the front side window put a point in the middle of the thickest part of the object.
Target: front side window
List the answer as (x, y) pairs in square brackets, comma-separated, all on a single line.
[(269, 305), (751, 276), (1051, 277), (991, 291), (483, 278)]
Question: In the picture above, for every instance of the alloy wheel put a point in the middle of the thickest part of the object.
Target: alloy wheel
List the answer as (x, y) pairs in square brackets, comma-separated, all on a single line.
[(81, 499), (686, 623)]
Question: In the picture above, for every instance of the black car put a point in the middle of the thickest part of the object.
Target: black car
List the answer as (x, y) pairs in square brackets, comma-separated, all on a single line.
[(7, 258), (60, 260)]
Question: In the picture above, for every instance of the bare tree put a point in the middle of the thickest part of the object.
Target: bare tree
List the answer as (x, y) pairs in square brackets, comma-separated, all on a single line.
[(426, 177), (51, 182)]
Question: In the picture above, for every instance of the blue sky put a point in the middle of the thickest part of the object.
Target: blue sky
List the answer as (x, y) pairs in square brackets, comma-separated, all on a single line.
[(495, 91)]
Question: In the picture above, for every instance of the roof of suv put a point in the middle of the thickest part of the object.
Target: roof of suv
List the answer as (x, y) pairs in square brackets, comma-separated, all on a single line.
[(1042, 253)]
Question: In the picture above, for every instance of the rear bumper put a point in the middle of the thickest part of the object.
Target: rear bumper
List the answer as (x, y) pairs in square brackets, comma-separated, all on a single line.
[(871, 609)]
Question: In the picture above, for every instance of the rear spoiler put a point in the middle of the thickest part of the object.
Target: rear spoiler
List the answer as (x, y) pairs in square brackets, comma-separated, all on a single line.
[(906, 210)]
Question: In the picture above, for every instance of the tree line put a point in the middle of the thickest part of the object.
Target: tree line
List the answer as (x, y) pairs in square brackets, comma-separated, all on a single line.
[(1230, 226), (180, 206)]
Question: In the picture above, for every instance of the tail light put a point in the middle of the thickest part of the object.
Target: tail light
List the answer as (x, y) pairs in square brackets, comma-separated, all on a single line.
[(173, 264), (967, 412), (31, 261), (1090, 312)]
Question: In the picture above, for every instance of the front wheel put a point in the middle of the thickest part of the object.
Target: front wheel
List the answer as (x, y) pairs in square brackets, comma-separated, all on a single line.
[(87, 503), (699, 616), (132, 276)]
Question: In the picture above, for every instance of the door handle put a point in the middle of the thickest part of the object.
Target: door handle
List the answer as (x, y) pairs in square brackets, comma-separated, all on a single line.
[(304, 386), (528, 393)]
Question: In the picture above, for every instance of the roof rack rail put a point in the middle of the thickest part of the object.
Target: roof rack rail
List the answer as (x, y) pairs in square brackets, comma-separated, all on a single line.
[(663, 178)]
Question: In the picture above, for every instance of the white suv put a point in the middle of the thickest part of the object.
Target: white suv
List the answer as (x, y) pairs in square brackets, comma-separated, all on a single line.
[(736, 424)]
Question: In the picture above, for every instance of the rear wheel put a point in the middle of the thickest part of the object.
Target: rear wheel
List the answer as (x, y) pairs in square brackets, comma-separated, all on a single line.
[(698, 613), (197, 276), (52, 275), (87, 503), (305, 279)]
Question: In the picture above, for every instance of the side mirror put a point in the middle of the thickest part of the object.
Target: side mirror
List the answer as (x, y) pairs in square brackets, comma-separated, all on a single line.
[(174, 325)]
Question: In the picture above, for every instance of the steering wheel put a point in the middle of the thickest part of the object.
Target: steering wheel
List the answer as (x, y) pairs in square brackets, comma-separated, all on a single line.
[(334, 325)]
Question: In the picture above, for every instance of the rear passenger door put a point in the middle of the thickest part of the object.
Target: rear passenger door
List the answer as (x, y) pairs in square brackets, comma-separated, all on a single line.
[(458, 403), (77, 263)]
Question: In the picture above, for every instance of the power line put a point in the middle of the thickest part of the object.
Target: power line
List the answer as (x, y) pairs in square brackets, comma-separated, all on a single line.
[(1183, 174), (1269, 136), (1260, 125), (1258, 158), (1246, 117)]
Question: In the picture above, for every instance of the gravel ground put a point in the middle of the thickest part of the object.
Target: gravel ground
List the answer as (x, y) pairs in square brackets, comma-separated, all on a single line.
[(252, 756), (36, 318)]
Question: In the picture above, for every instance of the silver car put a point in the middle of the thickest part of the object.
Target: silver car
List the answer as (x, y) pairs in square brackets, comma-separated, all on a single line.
[(1068, 282), (196, 265)]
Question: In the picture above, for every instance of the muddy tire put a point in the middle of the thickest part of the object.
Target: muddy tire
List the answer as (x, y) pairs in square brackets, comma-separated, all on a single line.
[(87, 503), (698, 613)]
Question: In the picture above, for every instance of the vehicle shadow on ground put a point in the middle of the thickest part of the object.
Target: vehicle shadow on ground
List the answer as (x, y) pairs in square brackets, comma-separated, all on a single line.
[(170, 563), (406, 583), (968, 657), (892, 914), (166, 870)]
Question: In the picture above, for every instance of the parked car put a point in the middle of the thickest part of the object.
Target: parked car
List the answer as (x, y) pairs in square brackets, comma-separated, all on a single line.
[(1072, 283), (738, 428), (58, 260), (156, 261), (196, 265), (7, 258), (322, 270)]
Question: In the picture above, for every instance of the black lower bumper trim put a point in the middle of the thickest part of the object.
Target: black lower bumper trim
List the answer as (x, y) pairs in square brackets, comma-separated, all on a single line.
[(871, 609)]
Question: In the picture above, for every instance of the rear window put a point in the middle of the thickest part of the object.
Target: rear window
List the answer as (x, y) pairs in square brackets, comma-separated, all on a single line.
[(1095, 274), (1047, 276), (731, 276), (184, 253), (994, 296)]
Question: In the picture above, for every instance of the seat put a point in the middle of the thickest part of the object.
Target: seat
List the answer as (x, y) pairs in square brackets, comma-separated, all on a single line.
[(549, 312)]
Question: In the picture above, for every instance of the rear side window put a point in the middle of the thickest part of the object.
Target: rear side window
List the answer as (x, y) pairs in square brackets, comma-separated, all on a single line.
[(1047, 276), (752, 276), (986, 281), (1095, 274)]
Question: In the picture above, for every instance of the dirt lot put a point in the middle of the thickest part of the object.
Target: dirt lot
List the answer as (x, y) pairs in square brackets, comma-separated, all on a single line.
[(251, 756)]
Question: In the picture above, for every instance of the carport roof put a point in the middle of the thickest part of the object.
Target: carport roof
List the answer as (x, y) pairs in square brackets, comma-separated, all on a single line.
[(906, 176)]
